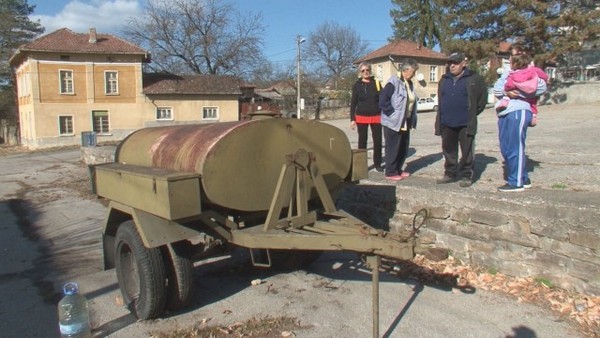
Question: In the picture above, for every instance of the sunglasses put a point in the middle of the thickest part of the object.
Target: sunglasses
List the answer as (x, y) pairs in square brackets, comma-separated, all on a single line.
[(365, 70)]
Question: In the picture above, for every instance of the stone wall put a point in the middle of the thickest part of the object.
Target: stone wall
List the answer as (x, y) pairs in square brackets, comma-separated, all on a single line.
[(97, 155), (557, 238)]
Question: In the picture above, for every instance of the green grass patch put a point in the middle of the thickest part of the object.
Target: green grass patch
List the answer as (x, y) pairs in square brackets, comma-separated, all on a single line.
[(492, 271), (559, 186), (545, 282)]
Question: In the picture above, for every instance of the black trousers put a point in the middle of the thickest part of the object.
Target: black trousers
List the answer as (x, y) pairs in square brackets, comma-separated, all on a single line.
[(362, 129), (452, 138), (396, 150)]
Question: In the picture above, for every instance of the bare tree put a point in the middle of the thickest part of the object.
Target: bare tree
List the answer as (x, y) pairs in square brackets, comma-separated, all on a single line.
[(199, 36), (333, 48)]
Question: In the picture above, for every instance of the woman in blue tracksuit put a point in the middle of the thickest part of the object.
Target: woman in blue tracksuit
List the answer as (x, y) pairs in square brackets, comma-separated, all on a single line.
[(512, 131)]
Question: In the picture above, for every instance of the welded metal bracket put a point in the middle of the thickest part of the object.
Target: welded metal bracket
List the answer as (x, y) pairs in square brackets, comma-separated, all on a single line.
[(298, 175)]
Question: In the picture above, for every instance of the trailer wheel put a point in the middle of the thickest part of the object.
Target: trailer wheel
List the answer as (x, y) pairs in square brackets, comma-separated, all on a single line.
[(289, 260), (140, 272), (180, 278)]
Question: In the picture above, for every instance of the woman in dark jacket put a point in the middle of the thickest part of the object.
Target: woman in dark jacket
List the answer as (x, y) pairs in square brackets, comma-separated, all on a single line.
[(364, 111)]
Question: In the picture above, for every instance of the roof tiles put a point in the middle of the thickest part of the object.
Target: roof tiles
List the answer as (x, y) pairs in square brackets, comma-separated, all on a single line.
[(65, 40), (403, 48), (159, 83)]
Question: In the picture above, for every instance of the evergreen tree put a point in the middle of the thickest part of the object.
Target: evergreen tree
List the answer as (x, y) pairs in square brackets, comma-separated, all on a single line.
[(15, 30), (420, 21), (551, 29)]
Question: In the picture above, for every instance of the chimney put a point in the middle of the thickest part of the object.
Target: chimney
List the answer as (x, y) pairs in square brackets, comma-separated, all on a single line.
[(93, 37)]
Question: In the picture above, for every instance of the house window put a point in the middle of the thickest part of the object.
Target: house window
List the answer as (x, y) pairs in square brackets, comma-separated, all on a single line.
[(65, 125), (100, 121), (433, 77), (23, 88), (66, 81), (111, 82), (164, 113), (210, 113)]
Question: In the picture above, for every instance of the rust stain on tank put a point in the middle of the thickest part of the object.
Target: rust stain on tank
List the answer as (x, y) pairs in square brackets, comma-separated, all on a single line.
[(185, 148)]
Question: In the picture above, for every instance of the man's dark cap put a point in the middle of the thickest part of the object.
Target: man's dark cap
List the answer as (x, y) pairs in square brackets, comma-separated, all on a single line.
[(456, 57)]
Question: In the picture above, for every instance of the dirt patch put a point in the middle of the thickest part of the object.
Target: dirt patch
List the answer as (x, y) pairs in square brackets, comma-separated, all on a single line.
[(267, 327), (6, 150)]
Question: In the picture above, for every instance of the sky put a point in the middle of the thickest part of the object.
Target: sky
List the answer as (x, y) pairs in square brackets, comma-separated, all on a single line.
[(284, 20)]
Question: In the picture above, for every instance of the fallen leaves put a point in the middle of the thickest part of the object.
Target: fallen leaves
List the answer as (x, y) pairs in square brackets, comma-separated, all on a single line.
[(579, 308)]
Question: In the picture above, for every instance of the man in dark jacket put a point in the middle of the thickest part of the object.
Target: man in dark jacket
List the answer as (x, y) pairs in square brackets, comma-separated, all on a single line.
[(462, 96)]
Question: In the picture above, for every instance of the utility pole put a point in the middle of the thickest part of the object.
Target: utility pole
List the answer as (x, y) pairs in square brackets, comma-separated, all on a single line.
[(299, 40)]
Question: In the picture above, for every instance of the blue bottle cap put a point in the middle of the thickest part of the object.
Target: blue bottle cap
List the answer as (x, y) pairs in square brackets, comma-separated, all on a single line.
[(70, 288)]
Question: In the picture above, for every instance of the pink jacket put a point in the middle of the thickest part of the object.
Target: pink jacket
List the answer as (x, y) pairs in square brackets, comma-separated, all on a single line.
[(525, 80)]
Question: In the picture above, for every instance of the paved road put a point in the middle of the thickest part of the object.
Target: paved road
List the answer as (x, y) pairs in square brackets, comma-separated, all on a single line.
[(563, 151), (51, 234)]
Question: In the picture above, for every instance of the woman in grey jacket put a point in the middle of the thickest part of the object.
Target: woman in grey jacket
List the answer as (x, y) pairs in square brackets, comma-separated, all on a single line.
[(398, 104)]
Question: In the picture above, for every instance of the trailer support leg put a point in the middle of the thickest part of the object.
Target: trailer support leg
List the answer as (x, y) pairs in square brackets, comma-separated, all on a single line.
[(374, 262)]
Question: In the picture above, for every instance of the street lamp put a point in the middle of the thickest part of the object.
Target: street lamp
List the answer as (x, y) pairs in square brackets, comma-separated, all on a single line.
[(299, 40)]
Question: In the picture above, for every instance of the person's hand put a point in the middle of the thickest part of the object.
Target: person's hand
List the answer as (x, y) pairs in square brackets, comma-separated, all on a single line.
[(513, 94), (353, 124), (534, 120)]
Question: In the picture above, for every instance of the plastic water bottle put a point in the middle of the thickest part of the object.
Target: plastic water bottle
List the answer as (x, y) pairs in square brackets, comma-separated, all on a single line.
[(73, 313)]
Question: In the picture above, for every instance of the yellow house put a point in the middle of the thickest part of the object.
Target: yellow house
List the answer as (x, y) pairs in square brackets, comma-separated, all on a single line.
[(432, 65), (71, 83)]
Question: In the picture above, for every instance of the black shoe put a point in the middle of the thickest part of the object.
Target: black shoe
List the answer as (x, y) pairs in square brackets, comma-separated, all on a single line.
[(446, 179), (527, 184), (510, 188), (379, 168), (465, 182)]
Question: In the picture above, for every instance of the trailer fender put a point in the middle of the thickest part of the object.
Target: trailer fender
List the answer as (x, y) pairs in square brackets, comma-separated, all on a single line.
[(155, 231)]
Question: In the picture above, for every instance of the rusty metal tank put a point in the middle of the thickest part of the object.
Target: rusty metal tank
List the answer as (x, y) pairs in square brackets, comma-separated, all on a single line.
[(239, 162)]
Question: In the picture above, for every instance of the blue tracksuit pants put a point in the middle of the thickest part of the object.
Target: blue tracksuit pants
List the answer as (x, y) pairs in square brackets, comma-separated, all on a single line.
[(512, 131)]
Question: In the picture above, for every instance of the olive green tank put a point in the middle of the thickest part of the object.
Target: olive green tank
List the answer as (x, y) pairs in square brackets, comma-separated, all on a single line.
[(239, 162)]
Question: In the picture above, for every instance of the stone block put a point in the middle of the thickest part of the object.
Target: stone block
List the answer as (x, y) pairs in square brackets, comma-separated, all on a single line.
[(458, 247), (552, 263), (404, 206), (491, 218), (520, 268), (436, 224), (511, 252), (585, 239), (576, 251), (439, 212), (461, 215), (583, 270), (521, 224), (530, 241), (375, 217), (555, 229)]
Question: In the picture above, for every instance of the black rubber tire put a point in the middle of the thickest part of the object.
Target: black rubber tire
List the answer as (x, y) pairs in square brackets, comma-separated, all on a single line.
[(180, 276), (140, 272)]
